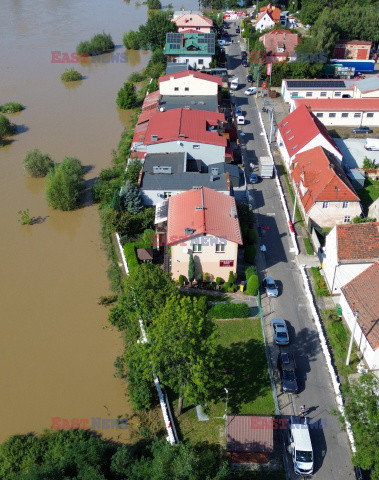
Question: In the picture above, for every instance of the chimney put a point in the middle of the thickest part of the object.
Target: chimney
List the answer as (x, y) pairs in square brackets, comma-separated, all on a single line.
[(211, 177), (228, 180)]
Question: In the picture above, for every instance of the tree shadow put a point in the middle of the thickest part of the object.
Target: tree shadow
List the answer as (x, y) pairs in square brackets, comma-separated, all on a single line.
[(21, 129), (38, 220)]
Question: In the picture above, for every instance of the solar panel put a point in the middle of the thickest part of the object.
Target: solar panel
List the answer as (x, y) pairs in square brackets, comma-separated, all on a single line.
[(316, 83)]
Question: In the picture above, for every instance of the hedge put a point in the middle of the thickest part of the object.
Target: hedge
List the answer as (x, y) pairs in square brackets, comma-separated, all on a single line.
[(252, 270), (252, 236), (229, 310), (130, 253), (252, 285), (250, 252)]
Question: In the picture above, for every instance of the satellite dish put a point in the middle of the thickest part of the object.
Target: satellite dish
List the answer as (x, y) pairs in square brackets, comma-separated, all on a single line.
[(185, 250)]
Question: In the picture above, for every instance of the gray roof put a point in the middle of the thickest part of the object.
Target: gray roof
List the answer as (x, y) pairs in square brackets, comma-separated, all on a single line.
[(235, 173), (174, 67), (182, 181), (179, 13), (194, 102), (368, 84), (176, 161)]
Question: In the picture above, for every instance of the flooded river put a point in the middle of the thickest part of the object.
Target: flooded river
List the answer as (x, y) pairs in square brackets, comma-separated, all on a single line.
[(57, 351)]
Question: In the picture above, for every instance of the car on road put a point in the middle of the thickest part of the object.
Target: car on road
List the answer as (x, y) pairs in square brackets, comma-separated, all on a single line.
[(287, 369), (250, 91), (270, 287), (221, 43), (238, 110), (225, 34), (244, 63), (240, 120), (279, 328), (362, 130), (253, 178), (238, 30), (244, 54), (249, 78)]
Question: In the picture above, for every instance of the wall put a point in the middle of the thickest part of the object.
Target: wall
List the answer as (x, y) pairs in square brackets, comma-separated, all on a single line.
[(359, 94), (207, 153), (265, 22), (351, 121), (334, 214), (193, 60), (198, 29), (206, 261), (316, 93), (371, 357), (320, 140), (150, 197), (196, 86)]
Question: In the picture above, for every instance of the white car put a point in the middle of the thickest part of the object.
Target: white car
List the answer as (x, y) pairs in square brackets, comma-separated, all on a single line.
[(240, 120), (250, 91), (221, 43)]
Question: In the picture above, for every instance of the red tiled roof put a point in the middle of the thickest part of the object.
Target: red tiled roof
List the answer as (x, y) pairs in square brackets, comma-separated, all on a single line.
[(271, 39), (214, 219), (192, 20), (145, 116), (250, 433), (361, 294), (274, 12), (151, 100), (261, 15), (300, 127), (353, 42), (358, 242), (192, 73), (320, 172), (140, 132), (185, 125), (339, 104)]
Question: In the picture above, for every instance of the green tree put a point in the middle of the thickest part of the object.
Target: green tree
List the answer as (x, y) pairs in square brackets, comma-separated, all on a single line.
[(11, 107), (37, 164), (141, 387), (127, 96), (131, 40), (6, 127), (191, 268), (64, 183), (252, 285), (131, 198), (182, 347), (116, 203), (154, 4), (133, 170), (153, 33)]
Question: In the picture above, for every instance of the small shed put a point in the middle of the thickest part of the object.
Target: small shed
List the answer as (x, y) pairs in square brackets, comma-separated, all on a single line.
[(145, 254), (249, 438), (356, 178)]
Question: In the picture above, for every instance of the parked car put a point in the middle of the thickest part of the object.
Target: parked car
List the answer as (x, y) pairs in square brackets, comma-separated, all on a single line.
[(362, 130), (244, 63), (240, 120), (244, 54), (221, 43), (250, 91), (270, 286), (225, 34), (287, 369), (279, 328), (249, 78), (253, 178), (238, 30), (238, 110)]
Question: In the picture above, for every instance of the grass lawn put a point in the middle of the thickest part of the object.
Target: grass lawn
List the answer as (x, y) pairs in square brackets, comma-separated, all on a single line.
[(299, 218), (308, 246), (321, 288), (241, 352), (369, 193)]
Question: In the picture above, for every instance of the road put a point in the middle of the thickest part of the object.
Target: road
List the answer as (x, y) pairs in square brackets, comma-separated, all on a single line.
[(332, 457)]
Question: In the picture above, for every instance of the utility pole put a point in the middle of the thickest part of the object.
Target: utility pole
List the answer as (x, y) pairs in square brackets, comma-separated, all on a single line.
[(356, 313), (294, 207)]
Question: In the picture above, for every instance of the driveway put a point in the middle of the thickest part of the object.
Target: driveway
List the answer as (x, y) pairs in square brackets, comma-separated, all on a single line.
[(330, 444)]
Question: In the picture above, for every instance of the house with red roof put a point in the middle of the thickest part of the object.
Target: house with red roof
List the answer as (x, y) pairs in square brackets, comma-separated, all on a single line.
[(189, 82), (300, 131), (193, 21), (360, 308), (351, 112), (326, 195), (280, 45), (349, 250), (352, 49), (203, 222), (268, 16), (201, 134)]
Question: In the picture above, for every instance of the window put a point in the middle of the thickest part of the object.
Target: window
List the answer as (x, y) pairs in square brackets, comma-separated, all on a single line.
[(308, 94), (167, 194), (345, 204), (344, 115), (357, 115), (319, 115), (347, 219), (288, 131), (176, 89), (201, 61), (220, 248), (196, 247), (370, 115), (325, 204), (323, 94), (197, 28), (295, 94), (332, 115), (337, 94), (293, 136), (196, 146), (186, 89)]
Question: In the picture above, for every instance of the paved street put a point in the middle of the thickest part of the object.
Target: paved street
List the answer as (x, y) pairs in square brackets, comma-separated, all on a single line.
[(330, 446)]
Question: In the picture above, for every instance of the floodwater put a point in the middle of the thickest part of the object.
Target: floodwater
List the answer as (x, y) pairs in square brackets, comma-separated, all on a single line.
[(57, 350)]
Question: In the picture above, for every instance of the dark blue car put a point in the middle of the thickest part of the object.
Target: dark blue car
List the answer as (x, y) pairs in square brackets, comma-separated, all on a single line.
[(253, 178)]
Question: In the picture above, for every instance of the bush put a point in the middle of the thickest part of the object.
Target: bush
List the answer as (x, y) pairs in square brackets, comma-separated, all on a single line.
[(250, 252), (154, 4), (36, 164), (136, 77), (206, 277), (131, 198), (219, 280), (252, 270), (252, 236), (133, 170), (229, 310), (368, 164), (363, 220), (181, 280), (127, 96), (199, 278), (252, 285), (231, 278), (11, 107), (321, 287), (131, 40), (99, 43), (64, 184), (71, 75), (6, 127)]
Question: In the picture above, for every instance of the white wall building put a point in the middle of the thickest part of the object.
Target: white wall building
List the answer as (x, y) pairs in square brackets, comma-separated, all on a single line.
[(292, 88), (189, 82)]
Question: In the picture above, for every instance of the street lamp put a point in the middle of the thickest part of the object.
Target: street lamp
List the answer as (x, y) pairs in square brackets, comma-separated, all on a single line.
[(356, 313), (226, 410)]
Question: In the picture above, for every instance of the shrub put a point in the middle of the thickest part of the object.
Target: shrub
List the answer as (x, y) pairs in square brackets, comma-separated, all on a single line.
[(229, 310), (6, 127), (252, 270), (321, 287), (127, 96), (191, 268), (368, 164), (181, 280), (71, 75), (131, 40), (141, 391), (37, 164), (231, 278), (25, 218), (250, 252), (199, 278), (363, 220), (154, 4), (252, 285), (206, 277), (252, 236), (64, 183), (99, 43), (133, 170), (136, 77), (11, 107), (131, 199), (219, 281)]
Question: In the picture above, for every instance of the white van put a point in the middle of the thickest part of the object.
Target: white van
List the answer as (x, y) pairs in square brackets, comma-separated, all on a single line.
[(234, 84), (300, 446), (372, 144)]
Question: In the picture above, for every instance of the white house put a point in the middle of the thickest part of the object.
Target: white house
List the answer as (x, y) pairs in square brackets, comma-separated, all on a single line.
[(367, 87), (189, 82), (293, 88), (300, 131), (192, 21), (351, 112), (359, 302), (326, 195), (264, 21), (348, 251)]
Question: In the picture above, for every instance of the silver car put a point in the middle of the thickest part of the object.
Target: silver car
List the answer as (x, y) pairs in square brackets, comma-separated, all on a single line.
[(270, 286), (279, 328)]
